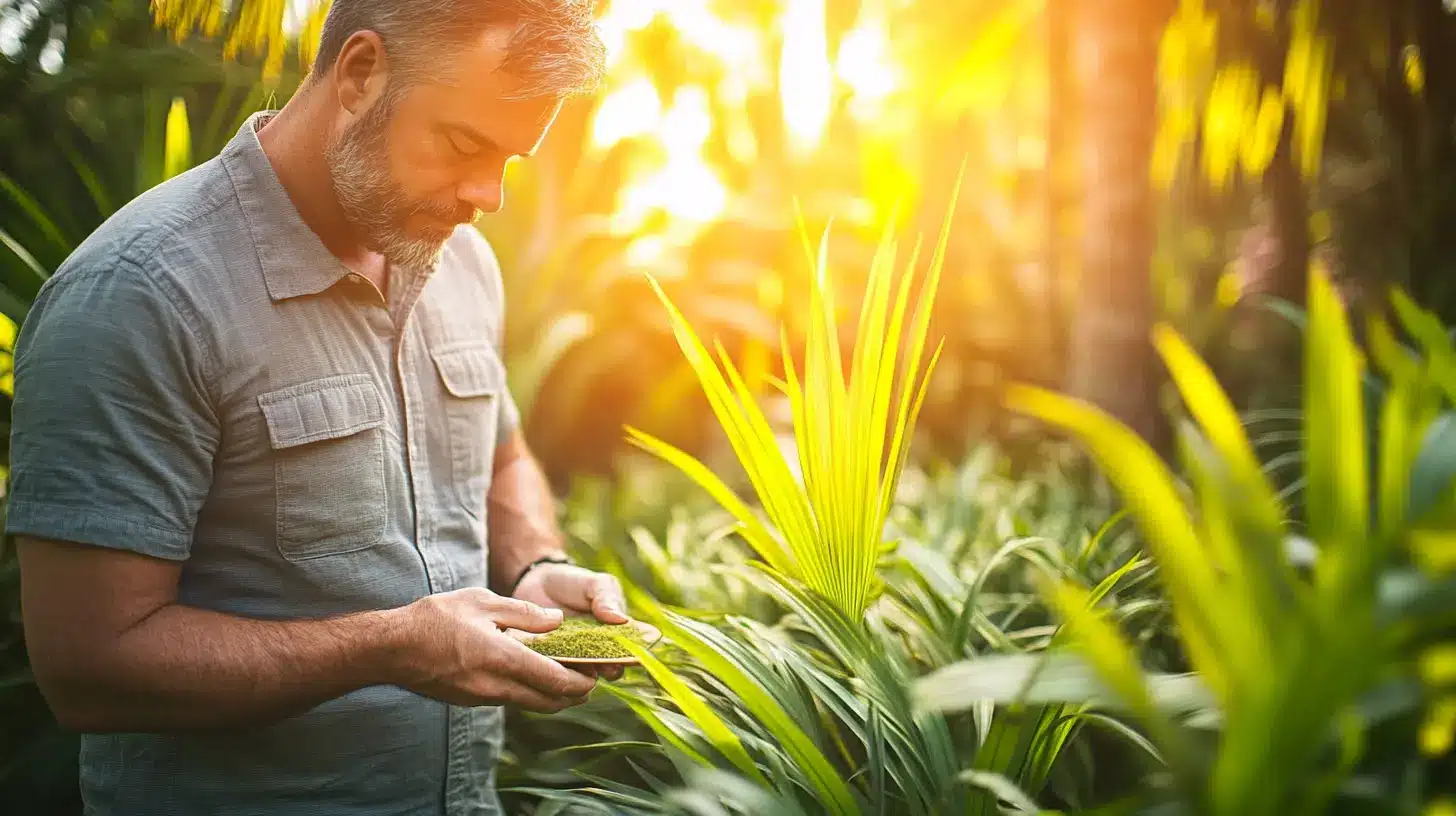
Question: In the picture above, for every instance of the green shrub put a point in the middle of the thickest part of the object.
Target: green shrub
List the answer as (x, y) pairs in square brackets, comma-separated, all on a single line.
[(1306, 654)]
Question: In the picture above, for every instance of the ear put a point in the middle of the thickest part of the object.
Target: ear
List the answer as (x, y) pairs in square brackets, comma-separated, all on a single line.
[(361, 72)]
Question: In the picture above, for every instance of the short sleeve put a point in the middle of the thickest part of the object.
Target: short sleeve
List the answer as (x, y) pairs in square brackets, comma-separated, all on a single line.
[(113, 432), (510, 415)]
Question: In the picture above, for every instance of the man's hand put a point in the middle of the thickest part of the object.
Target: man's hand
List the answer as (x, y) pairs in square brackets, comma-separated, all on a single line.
[(574, 590), (462, 656), (579, 591), (523, 529)]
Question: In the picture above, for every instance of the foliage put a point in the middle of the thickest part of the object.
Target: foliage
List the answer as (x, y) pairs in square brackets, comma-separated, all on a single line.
[(809, 697), (1227, 112), (815, 712), (258, 27), (852, 440), (654, 529), (1300, 663)]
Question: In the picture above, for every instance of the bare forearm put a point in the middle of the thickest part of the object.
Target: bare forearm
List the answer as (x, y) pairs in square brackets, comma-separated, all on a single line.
[(522, 518), (184, 668)]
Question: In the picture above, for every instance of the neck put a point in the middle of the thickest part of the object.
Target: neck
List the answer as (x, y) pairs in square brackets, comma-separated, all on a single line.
[(294, 141)]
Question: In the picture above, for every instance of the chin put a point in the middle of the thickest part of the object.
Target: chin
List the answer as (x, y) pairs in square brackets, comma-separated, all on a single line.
[(413, 251), (436, 234)]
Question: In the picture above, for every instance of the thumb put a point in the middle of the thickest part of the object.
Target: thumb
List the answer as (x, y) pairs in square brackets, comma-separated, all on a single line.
[(513, 613), (607, 603)]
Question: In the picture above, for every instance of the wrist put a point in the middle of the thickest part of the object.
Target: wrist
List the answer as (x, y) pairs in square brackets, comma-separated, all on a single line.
[(543, 560), (396, 652)]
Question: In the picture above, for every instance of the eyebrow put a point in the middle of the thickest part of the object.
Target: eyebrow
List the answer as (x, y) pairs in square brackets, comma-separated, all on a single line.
[(485, 141)]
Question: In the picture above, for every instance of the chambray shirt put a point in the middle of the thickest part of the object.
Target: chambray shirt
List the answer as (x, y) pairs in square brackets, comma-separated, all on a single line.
[(203, 382)]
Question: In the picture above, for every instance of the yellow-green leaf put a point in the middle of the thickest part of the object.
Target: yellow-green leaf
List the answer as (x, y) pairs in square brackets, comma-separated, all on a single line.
[(693, 706), (1148, 487), (1215, 413), (178, 151), (655, 722), (834, 793), (1109, 654), (1337, 495)]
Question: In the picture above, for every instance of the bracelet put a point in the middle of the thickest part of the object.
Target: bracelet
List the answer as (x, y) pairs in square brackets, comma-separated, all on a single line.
[(545, 559)]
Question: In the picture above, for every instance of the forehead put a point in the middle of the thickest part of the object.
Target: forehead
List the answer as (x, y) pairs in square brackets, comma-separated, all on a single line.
[(471, 90)]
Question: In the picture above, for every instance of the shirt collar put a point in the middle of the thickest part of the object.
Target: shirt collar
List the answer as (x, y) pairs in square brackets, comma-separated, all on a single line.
[(294, 260)]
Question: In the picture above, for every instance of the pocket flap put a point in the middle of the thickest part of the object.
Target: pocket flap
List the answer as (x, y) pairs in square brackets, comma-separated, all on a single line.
[(469, 371), (327, 408)]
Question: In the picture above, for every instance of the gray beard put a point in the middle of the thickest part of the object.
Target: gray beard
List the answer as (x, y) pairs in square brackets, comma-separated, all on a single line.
[(371, 200)]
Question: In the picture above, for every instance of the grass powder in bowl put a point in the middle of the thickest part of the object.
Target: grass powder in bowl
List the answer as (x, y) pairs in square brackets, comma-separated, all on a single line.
[(585, 639)]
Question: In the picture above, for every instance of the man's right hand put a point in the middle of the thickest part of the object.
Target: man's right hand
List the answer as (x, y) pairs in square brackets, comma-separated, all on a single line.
[(457, 652)]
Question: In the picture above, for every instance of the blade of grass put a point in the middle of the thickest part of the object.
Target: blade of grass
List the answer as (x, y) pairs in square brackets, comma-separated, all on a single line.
[(693, 706), (751, 528), (1336, 494), (835, 796), (177, 148), (649, 716), (37, 214)]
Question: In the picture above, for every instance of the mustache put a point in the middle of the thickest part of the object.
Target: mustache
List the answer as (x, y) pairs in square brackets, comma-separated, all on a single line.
[(462, 214)]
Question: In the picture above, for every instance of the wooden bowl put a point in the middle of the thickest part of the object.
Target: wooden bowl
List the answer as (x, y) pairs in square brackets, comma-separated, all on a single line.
[(650, 636)]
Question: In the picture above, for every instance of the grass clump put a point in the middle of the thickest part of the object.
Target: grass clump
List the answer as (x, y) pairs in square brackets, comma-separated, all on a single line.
[(586, 637)]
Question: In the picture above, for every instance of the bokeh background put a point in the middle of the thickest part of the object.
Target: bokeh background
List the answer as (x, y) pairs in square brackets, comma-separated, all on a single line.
[(1123, 161)]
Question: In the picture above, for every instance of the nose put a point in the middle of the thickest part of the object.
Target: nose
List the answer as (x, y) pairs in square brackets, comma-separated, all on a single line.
[(484, 193)]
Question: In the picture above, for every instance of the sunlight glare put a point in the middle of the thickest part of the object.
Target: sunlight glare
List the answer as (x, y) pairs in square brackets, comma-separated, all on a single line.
[(686, 187), (739, 48), (622, 17), (805, 78), (646, 251), (631, 110), (864, 65)]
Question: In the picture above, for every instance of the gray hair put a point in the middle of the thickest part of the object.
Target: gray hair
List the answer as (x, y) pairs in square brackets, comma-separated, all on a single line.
[(554, 47)]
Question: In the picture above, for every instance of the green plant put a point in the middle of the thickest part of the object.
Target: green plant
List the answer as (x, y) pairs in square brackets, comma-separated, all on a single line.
[(816, 710), (787, 708), (827, 520), (1300, 665)]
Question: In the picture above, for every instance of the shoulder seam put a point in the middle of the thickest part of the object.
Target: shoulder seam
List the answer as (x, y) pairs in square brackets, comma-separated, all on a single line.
[(168, 291), (165, 295)]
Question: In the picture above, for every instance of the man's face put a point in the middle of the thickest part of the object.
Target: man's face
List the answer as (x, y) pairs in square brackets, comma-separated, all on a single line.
[(419, 163)]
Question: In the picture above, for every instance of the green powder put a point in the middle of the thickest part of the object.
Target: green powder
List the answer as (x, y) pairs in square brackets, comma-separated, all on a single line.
[(586, 637)]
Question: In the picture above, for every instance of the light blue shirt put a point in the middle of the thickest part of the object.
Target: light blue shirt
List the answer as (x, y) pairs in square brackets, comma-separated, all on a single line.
[(203, 382)]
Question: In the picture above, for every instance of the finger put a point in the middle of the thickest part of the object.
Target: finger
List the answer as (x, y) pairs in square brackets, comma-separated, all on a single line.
[(605, 594), (519, 663), (607, 672), (567, 586), (513, 613), (523, 696)]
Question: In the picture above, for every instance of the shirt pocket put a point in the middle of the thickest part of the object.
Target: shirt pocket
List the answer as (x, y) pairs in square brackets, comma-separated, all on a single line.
[(327, 437), (473, 378)]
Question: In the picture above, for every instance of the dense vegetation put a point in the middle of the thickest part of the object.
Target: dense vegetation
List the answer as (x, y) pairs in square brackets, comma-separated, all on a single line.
[(1158, 515)]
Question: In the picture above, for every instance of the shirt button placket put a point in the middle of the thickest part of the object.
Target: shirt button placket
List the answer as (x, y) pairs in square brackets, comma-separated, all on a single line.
[(440, 575)]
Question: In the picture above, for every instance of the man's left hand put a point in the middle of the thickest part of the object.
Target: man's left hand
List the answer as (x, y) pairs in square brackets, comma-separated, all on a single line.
[(576, 591)]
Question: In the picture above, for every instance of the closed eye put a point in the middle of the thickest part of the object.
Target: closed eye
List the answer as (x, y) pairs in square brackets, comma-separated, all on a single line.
[(462, 144)]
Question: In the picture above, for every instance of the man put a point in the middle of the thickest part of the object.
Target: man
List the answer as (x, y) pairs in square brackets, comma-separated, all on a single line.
[(262, 429)]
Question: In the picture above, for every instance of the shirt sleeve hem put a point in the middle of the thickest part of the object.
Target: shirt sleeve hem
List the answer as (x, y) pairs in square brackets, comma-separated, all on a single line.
[(61, 522)]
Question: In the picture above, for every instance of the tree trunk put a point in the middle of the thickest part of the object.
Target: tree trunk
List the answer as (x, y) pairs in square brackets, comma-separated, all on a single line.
[(1432, 266), (1061, 100), (1111, 362)]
